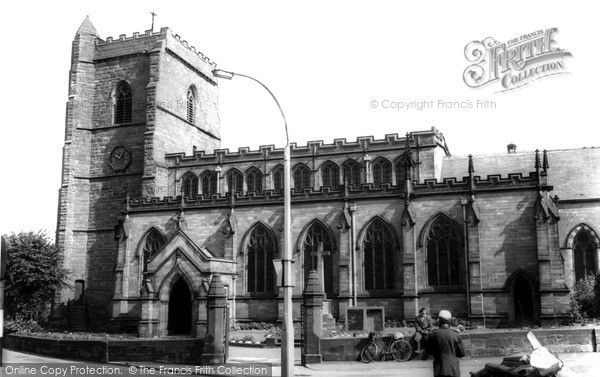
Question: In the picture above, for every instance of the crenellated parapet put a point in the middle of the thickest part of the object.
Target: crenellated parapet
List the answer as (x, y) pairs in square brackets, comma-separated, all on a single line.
[(136, 43), (365, 191), (362, 145)]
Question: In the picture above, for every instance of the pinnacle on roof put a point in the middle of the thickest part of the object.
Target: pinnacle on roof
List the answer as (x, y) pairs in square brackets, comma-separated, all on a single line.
[(87, 28)]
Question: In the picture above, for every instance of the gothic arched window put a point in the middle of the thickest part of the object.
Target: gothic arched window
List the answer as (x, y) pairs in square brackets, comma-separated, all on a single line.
[(301, 177), (254, 180), (209, 183), (260, 251), (330, 174), (378, 248), (382, 171), (444, 246), (318, 236), (189, 185), (191, 105), (123, 105), (278, 179), (152, 244), (584, 252), (399, 171), (235, 181), (351, 173)]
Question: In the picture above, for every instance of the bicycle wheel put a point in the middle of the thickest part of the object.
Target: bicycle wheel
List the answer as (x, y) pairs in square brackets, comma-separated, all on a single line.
[(401, 350), (369, 352)]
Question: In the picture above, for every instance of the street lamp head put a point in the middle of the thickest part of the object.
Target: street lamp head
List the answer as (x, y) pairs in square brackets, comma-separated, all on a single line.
[(223, 74)]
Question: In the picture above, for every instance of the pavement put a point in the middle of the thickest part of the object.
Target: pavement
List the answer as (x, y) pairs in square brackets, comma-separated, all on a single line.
[(585, 364)]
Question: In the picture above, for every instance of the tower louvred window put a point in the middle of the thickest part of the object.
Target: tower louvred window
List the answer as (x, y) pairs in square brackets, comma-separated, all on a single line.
[(123, 103), (191, 109)]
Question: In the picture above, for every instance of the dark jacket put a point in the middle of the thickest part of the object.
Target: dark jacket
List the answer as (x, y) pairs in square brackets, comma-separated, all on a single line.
[(445, 345), (423, 326)]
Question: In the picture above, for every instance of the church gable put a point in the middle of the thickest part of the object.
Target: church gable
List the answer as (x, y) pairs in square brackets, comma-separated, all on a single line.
[(177, 246)]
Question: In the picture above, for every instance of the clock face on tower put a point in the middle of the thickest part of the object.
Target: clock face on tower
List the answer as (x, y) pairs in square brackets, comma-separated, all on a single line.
[(120, 157)]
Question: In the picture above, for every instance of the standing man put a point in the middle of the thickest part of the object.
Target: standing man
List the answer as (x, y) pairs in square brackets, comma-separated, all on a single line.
[(423, 326), (446, 346)]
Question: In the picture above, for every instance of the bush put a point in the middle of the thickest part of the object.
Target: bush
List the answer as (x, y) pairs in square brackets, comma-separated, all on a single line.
[(585, 299), (394, 322), (275, 331), (237, 326), (22, 326), (33, 275)]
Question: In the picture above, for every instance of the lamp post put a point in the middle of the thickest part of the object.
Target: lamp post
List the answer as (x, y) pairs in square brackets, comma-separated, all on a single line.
[(287, 331)]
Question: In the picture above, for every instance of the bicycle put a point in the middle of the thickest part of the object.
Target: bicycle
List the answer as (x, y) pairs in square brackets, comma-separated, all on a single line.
[(376, 348)]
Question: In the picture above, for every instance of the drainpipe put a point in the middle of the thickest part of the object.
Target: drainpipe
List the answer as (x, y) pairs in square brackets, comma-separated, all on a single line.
[(464, 202), (233, 295), (353, 251)]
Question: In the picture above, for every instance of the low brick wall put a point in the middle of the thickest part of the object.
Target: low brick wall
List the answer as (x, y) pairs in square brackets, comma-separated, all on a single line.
[(479, 344), (179, 351)]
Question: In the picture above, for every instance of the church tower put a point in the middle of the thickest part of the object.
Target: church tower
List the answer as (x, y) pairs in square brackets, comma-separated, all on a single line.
[(132, 100)]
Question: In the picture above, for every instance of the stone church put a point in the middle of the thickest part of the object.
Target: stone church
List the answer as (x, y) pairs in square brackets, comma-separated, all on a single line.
[(151, 208)]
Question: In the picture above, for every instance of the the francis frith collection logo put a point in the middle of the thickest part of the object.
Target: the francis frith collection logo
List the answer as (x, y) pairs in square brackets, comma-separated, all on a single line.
[(515, 63)]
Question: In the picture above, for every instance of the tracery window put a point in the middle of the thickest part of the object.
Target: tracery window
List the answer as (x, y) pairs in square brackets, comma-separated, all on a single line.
[(378, 248), (123, 106), (254, 180), (190, 185), (260, 251), (584, 252), (330, 174), (443, 253), (318, 235), (351, 173), (301, 177), (278, 179), (209, 183), (382, 171), (235, 181), (152, 244)]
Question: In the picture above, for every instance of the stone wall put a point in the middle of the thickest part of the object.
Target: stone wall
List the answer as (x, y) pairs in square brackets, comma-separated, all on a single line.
[(492, 344)]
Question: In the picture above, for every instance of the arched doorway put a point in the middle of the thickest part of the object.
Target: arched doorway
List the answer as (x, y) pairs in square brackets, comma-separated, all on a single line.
[(523, 302), (180, 309)]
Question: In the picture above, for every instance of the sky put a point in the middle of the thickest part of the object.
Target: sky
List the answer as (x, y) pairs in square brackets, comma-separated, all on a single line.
[(340, 69)]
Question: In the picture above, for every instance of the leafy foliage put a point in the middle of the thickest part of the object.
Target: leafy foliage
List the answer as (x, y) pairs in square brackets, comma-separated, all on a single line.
[(585, 298), (22, 326), (33, 274), (237, 326)]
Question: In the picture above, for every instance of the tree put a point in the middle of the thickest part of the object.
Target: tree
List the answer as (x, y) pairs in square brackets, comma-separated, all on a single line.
[(33, 275)]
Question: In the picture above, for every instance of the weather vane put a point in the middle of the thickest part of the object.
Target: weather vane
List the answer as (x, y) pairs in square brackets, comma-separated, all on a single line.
[(153, 14)]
